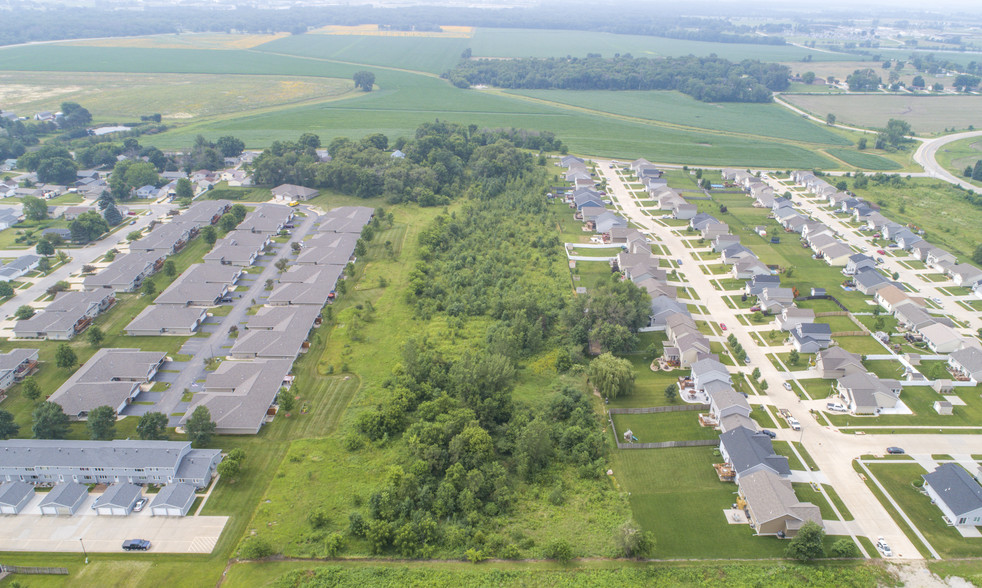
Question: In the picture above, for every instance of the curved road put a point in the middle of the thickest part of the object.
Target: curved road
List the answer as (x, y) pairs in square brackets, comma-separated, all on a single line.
[(926, 157)]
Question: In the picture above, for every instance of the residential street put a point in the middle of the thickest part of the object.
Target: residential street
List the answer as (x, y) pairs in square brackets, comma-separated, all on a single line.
[(832, 451)]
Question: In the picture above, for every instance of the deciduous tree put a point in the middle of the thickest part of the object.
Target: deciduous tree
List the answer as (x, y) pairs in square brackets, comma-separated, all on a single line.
[(152, 426), (199, 427), (8, 428), (808, 543), (65, 356), (101, 423), (50, 421), (612, 376)]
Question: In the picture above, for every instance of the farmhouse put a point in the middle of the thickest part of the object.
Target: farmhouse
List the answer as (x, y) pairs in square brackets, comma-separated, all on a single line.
[(956, 493), (44, 461)]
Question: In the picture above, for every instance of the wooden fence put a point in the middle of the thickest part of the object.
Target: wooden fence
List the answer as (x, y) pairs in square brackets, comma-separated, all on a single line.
[(667, 444), (654, 409)]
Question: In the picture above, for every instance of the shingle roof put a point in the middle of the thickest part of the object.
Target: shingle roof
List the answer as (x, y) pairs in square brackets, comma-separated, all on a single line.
[(12, 493), (956, 488), (256, 384), (174, 495), (67, 494), (747, 449), (118, 495)]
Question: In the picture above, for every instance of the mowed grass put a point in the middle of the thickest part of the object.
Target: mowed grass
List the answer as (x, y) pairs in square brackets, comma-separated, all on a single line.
[(765, 120), (676, 495), (863, 160), (661, 427), (897, 479), (926, 114), (921, 399), (177, 97)]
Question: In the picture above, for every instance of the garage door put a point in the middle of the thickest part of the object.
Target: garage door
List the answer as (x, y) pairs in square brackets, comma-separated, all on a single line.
[(173, 512), (120, 512)]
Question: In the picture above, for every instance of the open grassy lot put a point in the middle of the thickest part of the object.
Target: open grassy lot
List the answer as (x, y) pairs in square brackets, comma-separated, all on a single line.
[(948, 220), (926, 114), (649, 386), (864, 160), (177, 97), (921, 399), (660, 427), (897, 479), (958, 155)]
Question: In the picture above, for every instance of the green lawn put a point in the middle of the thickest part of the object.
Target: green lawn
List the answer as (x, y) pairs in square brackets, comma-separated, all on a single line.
[(649, 386), (863, 345), (920, 399), (834, 497), (660, 427), (886, 368), (897, 479), (838, 323), (784, 448), (805, 493)]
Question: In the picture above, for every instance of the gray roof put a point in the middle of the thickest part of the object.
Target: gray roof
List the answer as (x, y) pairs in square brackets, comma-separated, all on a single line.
[(747, 449), (956, 488), (201, 284), (294, 191), (109, 454), (76, 301), (68, 494), (107, 379), (174, 495), (196, 464), (254, 385), (301, 273), (12, 359), (970, 359), (313, 291), (266, 218), (347, 219), (23, 262), (12, 493), (202, 212), (118, 495), (815, 329), (166, 317), (277, 331), (870, 278), (770, 498), (122, 271), (163, 238)]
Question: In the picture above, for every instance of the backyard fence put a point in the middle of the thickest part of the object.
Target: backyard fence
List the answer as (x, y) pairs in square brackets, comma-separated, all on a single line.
[(664, 444), (668, 444), (32, 570), (654, 409)]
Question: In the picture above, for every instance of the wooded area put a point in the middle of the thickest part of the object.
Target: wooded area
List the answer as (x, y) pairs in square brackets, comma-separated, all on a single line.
[(710, 79)]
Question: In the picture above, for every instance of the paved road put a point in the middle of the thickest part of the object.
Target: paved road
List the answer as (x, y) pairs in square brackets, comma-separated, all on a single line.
[(212, 345), (832, 451), (926, 157), (80, 256)]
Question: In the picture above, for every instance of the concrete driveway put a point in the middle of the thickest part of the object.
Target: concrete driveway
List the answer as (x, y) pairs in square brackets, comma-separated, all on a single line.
[(30, 531)]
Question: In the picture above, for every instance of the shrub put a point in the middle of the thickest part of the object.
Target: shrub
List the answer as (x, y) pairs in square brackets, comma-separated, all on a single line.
[(255, 548)]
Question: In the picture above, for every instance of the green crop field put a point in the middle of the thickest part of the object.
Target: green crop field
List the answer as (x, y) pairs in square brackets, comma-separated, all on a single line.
[(488, 42), (867, 161), (926, 114), (178, 97), (765, 120)]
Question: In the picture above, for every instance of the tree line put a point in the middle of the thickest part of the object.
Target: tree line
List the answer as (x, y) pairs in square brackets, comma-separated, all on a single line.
[(710, 79), (441, 161)]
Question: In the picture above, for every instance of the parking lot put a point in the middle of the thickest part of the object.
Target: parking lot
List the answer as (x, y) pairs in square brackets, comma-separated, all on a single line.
[(31, 531)]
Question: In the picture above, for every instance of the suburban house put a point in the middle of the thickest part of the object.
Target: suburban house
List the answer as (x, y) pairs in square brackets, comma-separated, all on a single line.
[(967, 363), (811, 337), (112, 377), (69, 313), (748, 451), (266, 218), (936, 257), (167, 319), (890, 297), (15, 365), (792, 316), (275, 332), (608, 221), (964, 274), (772, 506), (16, 268), (735, 253), (706, 371), (858, 262), (749, 267), (913, 317), (126, 273), (205, 212), (166, 239), (957, 493), (775, 299), (941, 338), (721, 242), (864, 393), (328, 249), (836, 254), (240, 394), (726, 401), (316, 290), (868, 281), (346, 219), (292, 192), (64, 499), (147, 191), (238, 248), (202, 284), (756, 284), (48, 461), (662, 307), (837, 363)]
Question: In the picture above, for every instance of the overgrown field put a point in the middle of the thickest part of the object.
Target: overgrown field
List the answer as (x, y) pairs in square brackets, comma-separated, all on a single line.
[(926, 114)]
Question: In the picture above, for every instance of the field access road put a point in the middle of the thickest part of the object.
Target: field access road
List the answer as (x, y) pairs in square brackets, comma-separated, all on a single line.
[(196, 365), (926, 156), (832, 451)]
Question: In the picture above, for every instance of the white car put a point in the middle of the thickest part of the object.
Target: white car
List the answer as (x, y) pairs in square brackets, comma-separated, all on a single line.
[(936, 300), (881, 544)]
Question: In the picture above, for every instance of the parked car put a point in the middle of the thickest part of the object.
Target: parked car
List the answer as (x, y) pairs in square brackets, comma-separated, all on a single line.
[(881, 252), (136, 545), (881, 544), (722, 326), (770, 434), (895, 450), (787, 385), (678, 261), (835, 406), (936, 300), (139, 505), (795, 425)]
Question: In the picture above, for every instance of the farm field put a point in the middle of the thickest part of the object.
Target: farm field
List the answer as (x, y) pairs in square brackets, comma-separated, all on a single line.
[(926, 114), (215, 41), (862, 160), (767, 120), (488, 42), (176, 97)]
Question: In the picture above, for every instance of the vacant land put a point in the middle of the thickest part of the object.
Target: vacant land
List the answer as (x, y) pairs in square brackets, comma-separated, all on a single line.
[(926, 114), (863, 160), (176, 97), (184, 41)]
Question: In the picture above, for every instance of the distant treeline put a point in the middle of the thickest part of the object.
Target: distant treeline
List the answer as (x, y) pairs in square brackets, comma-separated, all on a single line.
[(76, 23), (710, 79)]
